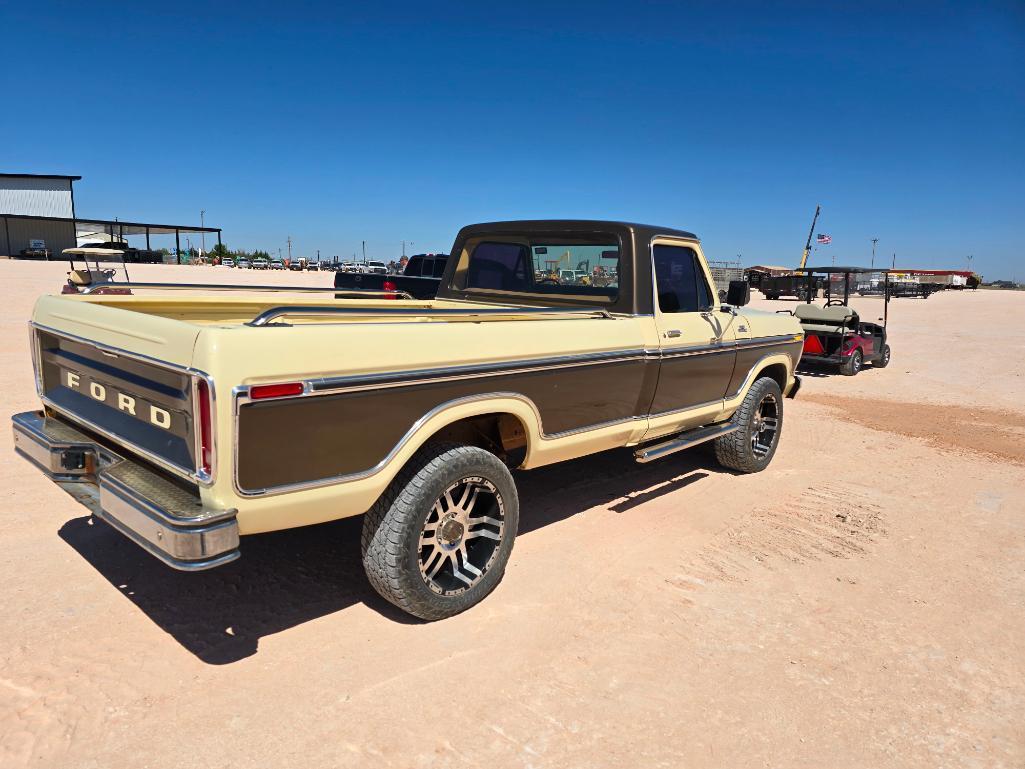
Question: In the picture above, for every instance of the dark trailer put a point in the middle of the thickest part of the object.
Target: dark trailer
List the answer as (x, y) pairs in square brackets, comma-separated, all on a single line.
[(834, 334)]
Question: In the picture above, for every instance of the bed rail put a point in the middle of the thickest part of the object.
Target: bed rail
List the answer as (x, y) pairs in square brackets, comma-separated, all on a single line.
[(339, 313), (347, 293)]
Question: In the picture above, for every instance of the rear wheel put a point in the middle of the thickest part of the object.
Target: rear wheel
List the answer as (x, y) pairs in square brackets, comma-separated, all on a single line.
[(438, 540), (853, 364), (884, 358), (750, 448)]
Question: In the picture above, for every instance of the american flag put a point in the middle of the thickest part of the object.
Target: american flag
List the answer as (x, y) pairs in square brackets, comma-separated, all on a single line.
[(823, 239)]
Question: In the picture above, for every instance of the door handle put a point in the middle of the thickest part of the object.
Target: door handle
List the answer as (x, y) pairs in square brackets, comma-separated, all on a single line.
[(672, 333)]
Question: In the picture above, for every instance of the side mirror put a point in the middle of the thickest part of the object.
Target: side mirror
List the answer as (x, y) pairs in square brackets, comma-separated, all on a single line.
[(739, 293)]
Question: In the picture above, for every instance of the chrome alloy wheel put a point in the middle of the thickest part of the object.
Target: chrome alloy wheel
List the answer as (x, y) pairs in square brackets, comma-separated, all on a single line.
[(461, 536), (765, 425)]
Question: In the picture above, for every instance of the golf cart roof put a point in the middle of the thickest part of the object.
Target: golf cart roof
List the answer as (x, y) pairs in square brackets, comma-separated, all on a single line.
[(91, 251), (841, 270)]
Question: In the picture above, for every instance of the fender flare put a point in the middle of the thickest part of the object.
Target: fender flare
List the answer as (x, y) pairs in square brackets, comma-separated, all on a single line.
[(767, 360)]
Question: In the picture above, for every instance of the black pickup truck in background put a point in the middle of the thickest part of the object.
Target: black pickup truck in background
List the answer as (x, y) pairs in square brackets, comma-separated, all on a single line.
[(420, 279)]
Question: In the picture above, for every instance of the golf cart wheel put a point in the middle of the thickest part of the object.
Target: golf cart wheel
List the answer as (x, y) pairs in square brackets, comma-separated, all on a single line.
[(760, 416), (884, 358), (438, 539), (853, 364)]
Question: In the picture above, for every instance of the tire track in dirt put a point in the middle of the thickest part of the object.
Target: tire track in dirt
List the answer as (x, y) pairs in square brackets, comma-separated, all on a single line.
[(824, 521)]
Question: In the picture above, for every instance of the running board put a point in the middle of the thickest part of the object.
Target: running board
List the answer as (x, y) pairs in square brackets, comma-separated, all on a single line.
[(684, 441)]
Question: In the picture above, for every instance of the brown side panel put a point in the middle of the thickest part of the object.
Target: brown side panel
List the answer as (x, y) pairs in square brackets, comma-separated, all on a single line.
[(686, 381), (312, 438), (747, 358)]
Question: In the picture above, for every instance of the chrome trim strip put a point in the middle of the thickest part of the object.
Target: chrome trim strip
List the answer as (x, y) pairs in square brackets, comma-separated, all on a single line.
[(472, 371), (357, 293), (357, 382), (37, 369), (191, 474), (309, 311)]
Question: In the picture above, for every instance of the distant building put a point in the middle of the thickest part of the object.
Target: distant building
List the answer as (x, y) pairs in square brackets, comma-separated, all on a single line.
[(38, 210), (38, 219)]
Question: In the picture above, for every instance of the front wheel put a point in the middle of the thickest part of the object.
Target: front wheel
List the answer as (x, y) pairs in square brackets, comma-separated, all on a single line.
[(750, 448), (437, 541)]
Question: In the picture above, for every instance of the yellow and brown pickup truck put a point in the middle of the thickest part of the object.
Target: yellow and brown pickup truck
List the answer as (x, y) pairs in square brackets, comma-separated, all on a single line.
[(188, 420)]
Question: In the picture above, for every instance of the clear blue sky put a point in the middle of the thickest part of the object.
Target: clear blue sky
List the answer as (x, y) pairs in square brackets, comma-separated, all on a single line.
[(404, 121)]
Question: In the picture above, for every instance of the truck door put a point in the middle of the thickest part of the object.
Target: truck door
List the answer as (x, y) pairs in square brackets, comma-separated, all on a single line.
[(697, 340)]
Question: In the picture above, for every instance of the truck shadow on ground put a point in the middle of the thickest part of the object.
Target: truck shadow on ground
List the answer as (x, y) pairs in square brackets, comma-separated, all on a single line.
[(286, 578)]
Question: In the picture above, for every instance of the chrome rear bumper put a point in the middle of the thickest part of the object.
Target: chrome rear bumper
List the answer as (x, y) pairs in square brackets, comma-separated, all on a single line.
[(163, 517)]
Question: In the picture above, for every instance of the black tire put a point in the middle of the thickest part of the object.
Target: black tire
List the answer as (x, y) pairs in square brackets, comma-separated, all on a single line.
[(744, 450), (853, 364), (884, 358), (771, 295), (395, 528)]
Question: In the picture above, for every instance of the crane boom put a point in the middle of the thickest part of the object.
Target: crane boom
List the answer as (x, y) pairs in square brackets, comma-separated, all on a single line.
[(811, 233)]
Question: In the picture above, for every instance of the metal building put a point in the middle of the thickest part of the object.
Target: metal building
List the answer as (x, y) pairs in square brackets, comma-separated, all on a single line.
[(38, 219), (23, 197)]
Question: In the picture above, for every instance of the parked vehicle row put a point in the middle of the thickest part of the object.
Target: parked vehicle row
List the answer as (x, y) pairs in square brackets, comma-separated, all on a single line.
[(420, 279)]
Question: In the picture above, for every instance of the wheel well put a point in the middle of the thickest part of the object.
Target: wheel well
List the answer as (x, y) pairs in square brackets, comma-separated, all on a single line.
[(503, 434), (778, 372)]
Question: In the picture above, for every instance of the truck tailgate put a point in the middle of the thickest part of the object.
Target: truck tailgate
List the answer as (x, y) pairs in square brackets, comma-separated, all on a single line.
[(122, 374)]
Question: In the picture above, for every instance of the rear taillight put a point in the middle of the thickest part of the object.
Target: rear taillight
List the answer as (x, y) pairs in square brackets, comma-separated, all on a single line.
[(389, 285), (206, 428), (275, 390)]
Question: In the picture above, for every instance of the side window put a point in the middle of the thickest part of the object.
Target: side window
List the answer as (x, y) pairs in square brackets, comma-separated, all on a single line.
[(414, 266), (439, 266), (679, 280), (499, 266)]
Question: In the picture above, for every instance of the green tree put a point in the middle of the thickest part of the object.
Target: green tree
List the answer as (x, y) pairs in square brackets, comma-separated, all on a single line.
[(220, 251)]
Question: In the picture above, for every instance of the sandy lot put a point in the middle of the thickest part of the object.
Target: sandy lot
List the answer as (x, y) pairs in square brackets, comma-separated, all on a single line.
[(859, 604)]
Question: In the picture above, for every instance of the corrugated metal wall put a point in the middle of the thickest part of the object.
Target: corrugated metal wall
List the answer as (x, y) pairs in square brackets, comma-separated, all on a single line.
[(57, 235), (35, 197)]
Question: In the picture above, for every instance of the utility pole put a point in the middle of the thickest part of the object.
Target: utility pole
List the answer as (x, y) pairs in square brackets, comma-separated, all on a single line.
[(364, 252), (289, 239), (893, 266), (970, 257), (318, 256), (874, 241), (202, 235), (404, 245)]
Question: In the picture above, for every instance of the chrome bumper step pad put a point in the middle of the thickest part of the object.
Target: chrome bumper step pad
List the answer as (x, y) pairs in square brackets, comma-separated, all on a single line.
[(164, 518)]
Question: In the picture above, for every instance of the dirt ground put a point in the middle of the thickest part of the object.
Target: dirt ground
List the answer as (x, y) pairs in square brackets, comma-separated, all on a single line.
[(859, 604)]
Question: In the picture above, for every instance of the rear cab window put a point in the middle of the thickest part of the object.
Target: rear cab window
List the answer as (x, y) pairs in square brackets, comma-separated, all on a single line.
[(568, 270)]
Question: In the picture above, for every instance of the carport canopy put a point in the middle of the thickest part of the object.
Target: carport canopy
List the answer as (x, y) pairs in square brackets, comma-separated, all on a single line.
[(114, 227)]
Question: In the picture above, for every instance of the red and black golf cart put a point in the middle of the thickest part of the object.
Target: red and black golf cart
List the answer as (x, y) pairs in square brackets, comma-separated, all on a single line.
[(834, 334)]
